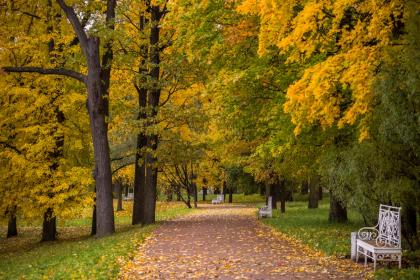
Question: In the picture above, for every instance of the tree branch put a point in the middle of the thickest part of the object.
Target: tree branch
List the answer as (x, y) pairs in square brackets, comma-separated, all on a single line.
[(11, 147), (52, 71), (77, 26)]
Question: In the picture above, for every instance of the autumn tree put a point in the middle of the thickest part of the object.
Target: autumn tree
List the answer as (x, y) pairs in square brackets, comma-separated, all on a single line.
[(97, 81)]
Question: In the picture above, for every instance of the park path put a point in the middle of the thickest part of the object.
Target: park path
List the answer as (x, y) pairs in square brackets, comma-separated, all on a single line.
[(228, 242)]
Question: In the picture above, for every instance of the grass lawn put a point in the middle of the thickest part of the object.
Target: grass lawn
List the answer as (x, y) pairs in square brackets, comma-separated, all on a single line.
[(311, 226), (76, 255)]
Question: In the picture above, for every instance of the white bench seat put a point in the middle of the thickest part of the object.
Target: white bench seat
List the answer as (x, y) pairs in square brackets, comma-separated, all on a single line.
[(266, 211)]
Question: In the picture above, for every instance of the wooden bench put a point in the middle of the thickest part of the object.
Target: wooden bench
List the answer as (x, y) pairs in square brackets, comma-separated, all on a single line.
[(382, 242), (219, 199), (266, 211)]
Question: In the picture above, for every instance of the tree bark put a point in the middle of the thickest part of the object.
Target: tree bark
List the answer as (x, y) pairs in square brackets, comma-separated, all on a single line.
[(313, 192), (320, 193), (140, 167), (282, 195), (231, 194), (153, 103), (409, 226), (99, 129), (338, 213), (304, 187), (12, 224), (93, 227), (97, 84), (194, 185), (204, 193), (49, 226), (118, 190)]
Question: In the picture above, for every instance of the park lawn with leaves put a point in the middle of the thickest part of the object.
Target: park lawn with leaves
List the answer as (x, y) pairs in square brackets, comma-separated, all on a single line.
[(76, 255), (311, 227)]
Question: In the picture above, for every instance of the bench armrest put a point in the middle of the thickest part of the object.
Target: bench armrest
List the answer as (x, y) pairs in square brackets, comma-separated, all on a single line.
[(367, 233)]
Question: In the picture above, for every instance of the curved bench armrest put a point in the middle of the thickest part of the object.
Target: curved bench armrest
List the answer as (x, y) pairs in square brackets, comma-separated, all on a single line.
[(367, 233)]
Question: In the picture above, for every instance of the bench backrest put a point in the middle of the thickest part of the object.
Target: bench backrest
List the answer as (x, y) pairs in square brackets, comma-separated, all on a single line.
[(389, 225)]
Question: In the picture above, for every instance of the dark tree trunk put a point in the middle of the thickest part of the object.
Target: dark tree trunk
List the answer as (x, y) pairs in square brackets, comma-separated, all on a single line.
[(409, 226), (320, 193), (153, 103), (224, 190), (118, 191), (282, 196), (12, 225), (93, 228), (49, 226), (140, 167), (313, 192), (194, 185), (275, 194), (178, 195), (99, 128), (125, 190), (304, 187), (231, 194), (338, 213), (204, 193), (289, 195)]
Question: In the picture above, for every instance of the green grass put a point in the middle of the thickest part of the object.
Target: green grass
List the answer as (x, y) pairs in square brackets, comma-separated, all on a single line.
[(311, 227), (76, 255)]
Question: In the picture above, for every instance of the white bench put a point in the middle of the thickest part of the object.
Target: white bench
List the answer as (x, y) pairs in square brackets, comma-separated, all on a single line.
[(382, 242), (266, 211), (219, 199), (130, 196)]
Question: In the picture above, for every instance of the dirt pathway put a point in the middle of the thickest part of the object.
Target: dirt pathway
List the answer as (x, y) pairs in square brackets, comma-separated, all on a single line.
[(227, 242)]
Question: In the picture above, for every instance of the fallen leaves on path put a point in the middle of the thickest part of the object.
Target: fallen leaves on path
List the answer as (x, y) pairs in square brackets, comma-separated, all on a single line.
[(227, 242)]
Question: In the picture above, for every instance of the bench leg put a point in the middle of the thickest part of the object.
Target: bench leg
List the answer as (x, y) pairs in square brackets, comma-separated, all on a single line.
[(399, 261), (365, 257), (357, 254), (374, 262)]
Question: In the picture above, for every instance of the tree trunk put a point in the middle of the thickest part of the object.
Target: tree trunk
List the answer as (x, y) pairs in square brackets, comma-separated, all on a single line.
[(118, 190), (338, 213), (304, 187), (12, 225), (231, 194), (313, 192), (224, 190), (275, 194), (140, 167), (320, 193), (153, 103), (409, 226), (204, 193), (99, 129), (49, 226), (93, 228), (282, 196)]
